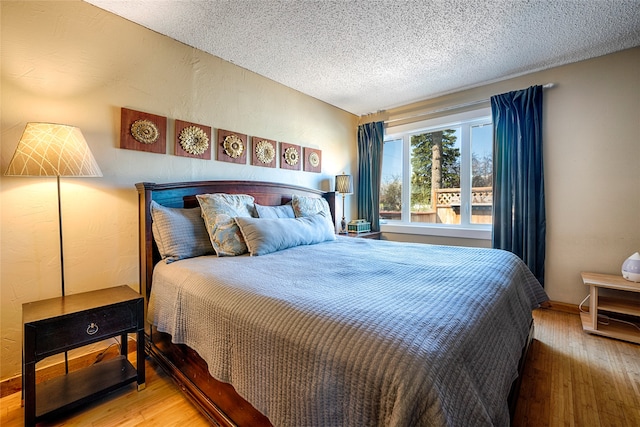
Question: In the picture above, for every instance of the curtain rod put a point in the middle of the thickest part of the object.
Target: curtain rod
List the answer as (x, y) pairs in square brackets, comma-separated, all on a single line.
[(453, 107)]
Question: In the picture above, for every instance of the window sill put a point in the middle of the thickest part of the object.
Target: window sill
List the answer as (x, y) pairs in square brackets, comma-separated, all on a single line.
[(483, 233)]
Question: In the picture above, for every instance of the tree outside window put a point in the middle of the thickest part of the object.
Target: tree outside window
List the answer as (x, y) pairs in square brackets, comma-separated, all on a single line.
[(435, 164)]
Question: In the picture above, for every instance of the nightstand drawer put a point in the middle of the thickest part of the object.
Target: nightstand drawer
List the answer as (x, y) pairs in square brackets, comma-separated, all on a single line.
[(57, 334)]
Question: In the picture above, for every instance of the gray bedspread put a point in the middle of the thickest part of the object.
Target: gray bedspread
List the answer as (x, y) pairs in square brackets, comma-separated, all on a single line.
[(356, 332)]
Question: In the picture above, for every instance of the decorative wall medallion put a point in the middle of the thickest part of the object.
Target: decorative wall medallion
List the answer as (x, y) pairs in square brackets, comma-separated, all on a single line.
[(312, 160), (143, 131), (264, 152), (232, 146), (193, 140), (290, 157)]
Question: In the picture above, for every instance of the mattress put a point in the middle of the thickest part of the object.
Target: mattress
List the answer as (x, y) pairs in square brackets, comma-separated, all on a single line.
[(356, 332)]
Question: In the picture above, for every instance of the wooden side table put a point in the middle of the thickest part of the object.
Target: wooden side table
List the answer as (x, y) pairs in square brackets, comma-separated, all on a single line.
[(617, 304), (366, 235), (60, 324)]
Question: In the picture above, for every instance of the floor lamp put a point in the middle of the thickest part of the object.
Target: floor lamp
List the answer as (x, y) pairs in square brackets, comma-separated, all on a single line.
[(344, 186), (47, 149)]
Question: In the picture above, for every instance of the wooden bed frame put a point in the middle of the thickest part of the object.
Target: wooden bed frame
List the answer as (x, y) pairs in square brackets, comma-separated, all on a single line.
[(217, 400)]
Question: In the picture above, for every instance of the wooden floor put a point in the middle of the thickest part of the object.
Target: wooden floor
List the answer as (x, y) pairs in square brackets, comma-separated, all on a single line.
[(576, 379), (160, 404), (571, 379)]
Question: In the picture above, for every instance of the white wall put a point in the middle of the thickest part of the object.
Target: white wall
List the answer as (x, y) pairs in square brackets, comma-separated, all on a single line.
[(70, 62)]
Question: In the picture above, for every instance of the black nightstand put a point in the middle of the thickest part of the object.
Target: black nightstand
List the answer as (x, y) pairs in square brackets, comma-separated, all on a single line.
[(60, 324)]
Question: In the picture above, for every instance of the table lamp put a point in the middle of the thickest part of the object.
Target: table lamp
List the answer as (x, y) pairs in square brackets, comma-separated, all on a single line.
[(344, 186)]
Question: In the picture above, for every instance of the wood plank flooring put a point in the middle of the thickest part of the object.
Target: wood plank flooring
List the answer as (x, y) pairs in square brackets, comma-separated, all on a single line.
[(571, 379), (576, 379), (160, 404)]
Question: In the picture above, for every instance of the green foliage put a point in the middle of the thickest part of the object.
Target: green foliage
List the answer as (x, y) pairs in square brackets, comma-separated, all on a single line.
[(391, 195), (482, 171), (422, 161)]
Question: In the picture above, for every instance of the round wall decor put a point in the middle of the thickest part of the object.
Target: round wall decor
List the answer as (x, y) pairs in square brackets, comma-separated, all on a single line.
[(291, 156), (233, 146), (265, 151), (145, 131), (194, 140)]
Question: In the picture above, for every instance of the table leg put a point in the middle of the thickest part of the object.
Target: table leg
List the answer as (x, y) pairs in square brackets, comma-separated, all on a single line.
[(29, 380), (140, 359), (124, 344), (29, 375), (593, 306)]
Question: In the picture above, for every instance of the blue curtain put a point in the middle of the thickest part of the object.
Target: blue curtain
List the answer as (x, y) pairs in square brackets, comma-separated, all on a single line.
[(519, 219), (370, 143)]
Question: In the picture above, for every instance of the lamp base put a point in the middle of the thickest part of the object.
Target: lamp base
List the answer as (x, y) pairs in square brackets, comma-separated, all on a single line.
[(343, 226), (343, 223)]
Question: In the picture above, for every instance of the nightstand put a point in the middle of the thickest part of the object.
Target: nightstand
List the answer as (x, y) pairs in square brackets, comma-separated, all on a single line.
[(615, 304), (365, 235), (60, 324)]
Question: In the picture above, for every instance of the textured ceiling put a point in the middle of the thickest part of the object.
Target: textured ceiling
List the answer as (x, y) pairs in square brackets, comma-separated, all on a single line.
[(365, 56)]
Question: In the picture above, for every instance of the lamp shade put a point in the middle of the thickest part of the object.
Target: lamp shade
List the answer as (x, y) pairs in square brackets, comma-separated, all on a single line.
[(47, 149), (344, 185)]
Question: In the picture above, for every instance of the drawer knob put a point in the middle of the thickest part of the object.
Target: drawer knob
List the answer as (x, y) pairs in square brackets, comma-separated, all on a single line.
[(92, 329)]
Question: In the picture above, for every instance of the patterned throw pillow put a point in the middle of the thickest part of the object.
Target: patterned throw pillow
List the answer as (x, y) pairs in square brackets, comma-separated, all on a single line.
[(179, 233), (219, 211), (307, 206)]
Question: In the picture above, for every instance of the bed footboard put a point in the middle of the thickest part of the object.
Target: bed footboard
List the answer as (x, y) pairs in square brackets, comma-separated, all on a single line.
[(189, 372), (187, 369)]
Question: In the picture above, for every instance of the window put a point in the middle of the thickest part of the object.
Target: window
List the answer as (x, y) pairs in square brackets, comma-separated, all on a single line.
[(437, 174)]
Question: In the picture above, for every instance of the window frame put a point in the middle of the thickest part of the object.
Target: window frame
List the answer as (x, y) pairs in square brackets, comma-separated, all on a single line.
[(465, 229)]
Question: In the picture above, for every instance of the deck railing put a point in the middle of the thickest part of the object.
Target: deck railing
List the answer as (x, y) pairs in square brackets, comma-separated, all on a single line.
[(447, 209)]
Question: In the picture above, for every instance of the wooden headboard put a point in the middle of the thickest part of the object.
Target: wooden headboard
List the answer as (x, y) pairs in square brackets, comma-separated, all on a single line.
[(182, 195)]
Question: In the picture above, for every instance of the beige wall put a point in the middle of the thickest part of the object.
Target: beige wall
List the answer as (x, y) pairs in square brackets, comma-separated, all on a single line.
[(70, 62), (591, 134)]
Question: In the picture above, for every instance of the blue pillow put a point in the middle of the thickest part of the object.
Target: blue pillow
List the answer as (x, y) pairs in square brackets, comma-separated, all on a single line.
[(283, 211), (267, 235)]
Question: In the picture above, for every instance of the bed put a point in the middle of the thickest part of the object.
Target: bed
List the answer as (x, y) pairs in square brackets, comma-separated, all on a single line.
[(341, 331)]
